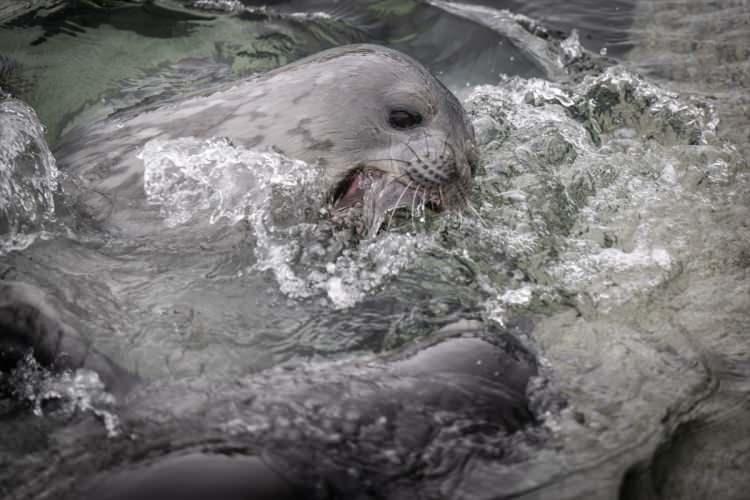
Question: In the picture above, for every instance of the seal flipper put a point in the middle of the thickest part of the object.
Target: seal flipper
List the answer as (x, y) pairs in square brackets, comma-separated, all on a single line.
[(29, 324)]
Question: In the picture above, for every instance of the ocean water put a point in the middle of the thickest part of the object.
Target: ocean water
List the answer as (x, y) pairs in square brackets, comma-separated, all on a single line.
[(609, 216)]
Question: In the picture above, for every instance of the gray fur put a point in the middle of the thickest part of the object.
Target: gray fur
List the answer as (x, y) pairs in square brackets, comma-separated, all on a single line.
[(332, 108)]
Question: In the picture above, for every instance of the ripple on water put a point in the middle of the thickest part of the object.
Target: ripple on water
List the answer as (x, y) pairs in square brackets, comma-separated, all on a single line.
[(604, 206)]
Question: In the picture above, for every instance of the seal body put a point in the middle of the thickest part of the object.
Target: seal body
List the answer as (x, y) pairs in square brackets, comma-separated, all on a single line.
[(361, 428), (360, 111)]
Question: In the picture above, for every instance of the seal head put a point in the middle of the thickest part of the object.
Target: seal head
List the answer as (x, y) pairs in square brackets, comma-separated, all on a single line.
[(398, 137), (386, 132)]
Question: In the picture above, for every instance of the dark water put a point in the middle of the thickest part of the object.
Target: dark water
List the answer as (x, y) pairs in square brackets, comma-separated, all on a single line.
[(609, 235), (65, 48)]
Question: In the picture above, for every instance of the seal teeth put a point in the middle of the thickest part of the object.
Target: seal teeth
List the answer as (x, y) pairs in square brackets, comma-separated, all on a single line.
[(427, 186)]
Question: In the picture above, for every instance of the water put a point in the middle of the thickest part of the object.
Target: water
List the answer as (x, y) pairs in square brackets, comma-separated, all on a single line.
[(610, 212)]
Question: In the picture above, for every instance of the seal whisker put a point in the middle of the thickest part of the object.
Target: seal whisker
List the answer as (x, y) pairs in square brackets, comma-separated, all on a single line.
[(402, 177), (464, 203), (367, 160), (451, 150), (445, 146), (412, 151), (476, 212), (395, 205), (413, 203)]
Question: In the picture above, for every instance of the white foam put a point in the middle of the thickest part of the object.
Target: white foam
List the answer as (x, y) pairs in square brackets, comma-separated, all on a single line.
[(188, 177)]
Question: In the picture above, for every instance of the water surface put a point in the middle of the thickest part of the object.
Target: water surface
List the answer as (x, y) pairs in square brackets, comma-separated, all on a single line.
[(609, 213)]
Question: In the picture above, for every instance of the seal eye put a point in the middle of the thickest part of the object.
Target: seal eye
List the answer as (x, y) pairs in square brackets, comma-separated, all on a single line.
[(402, 119)]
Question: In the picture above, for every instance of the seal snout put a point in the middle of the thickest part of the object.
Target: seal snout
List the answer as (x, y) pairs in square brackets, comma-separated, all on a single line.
[(435, 169)]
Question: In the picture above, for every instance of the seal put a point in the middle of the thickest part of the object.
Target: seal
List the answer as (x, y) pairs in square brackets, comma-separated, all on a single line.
[(381, 126), (383, 426)]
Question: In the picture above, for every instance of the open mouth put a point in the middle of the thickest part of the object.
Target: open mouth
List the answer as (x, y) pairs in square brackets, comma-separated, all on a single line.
[(378, 193), (353, 190)]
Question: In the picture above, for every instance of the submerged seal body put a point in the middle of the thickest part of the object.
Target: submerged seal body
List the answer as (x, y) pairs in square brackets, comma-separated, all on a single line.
[(389, 427), (372, 117)]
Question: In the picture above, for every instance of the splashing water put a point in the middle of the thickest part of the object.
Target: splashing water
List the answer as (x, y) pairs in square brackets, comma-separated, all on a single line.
[(195, 180), (78, 391), (189, 177), (28, 176)]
